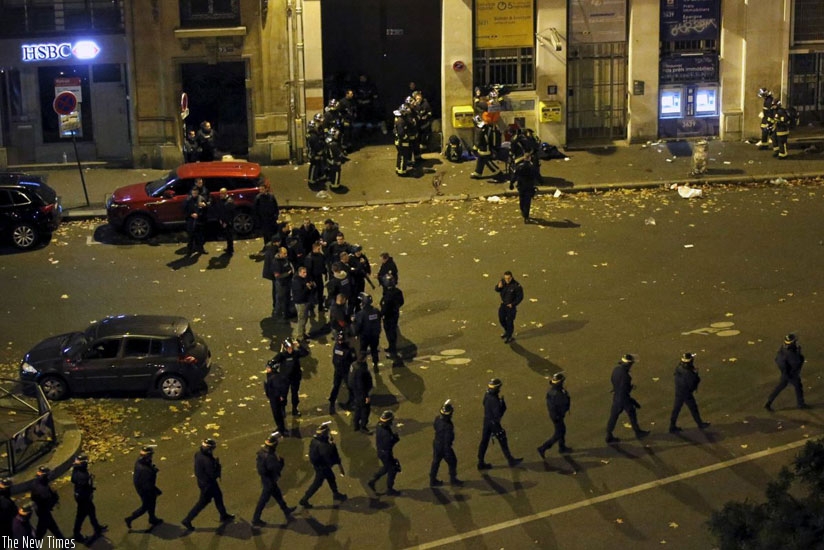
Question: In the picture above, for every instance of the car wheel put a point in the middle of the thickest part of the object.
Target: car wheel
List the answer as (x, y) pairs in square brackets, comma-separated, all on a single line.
[(24, 236), (139, 227), (54, 388), (172, 387), (243, 223)]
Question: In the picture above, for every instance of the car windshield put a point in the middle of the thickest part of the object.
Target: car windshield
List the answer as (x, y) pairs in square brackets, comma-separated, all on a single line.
[(46, 193), (73, 344), (153, 186)]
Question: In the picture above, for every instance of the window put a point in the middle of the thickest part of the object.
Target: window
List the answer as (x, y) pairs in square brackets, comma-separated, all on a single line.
[(5, 199), (142, 347), (512, 67), (104, 349), (808, 22), (49, 119), (209, 13), (18, 198)]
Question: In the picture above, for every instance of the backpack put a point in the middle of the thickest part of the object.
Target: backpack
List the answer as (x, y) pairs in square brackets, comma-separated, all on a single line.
[(454, 149)]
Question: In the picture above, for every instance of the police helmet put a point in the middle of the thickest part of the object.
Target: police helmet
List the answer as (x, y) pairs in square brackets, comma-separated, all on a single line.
[(333, 104), (273, 439), (25, 509), (479, 122), (417, 94), (409, 100), (494, 384), (82, 458), (5, 483), (313, 125), (318, 118), (147, 450), (405, 110), (628, 358), (791, 338), (764, 92), (365, 299), (386, 417), (287, 344), (208, 443), (388, 281), (493, 94), (324, 428), (557, 378), (688, 357), (447, 409), (43, 471)]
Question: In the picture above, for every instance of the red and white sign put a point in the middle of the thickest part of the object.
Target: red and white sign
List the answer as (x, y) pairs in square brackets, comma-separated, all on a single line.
[(71, 84), (65, 103)]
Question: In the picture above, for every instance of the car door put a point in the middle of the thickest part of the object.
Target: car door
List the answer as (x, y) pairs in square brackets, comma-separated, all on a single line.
[(6, 210), (167, 203), (142, 357), (97, 369)]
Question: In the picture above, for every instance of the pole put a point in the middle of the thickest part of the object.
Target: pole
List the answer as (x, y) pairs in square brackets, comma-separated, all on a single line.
[(80, 168)]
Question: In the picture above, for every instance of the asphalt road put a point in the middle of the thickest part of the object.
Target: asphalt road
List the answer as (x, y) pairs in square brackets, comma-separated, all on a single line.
[(725, 276)]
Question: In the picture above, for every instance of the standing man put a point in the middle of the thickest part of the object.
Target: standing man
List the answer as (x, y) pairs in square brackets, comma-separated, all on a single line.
[(783, 122), (21, 530), (191, 148), (360, 385), (323, 454), (267, 212), (287, 362), (512, 293), (622, 401), (388, 267), (269, 466), (442, 447), (276, 387), (391, 303), (315, 270), (334, 155), (686, 382), (403, 141), (315, 149), (525, 176), (557, 404), (84, 496), (207, 472), (385, 440), (283, 272), (789, 360), (368, 329), (494, 409), (206, 141), (342, 358), (8, 509), (302, 290), (766, 115), (145, 483), (484, 149), (195, 210), (225, 214), (45, 499)]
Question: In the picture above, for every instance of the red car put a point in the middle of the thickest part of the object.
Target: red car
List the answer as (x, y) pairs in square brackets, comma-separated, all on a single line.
[(141, 208)]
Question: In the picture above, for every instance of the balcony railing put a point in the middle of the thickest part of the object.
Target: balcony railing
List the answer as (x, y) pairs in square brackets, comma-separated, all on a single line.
[(39, 17)]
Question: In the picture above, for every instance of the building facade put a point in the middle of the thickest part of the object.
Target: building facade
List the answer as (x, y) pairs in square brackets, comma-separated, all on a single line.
[(580, 72)]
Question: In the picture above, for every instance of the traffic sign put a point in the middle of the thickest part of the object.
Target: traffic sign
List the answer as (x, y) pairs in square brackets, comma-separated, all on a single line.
[(184, 102), (65, 103)]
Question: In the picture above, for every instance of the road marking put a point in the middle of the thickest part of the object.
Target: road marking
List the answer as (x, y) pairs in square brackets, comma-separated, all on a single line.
[(611, 496)]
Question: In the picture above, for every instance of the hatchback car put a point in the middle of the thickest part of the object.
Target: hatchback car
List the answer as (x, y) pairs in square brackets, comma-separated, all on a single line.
[(121, 353), (139, 209), (30, 210)]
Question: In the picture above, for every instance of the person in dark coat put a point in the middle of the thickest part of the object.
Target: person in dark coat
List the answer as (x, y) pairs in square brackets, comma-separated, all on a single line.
[(45, 499), (323, 454), (360, 385), (484, 149), (145, 483), (206, 141), (391, 304), (316, 270), (195, 211), (84, 489), (303, 289), (686, 383), (287, 362), (276, 387), (494, 409), (315, 148), (269, 253), (525, 176), (191, 147), (342, 358), (512, 294), (225, 214), (22, 531), (269, 466), (367, 328), (8, 509), (207, 472), (339, 318), (442, 447), (334, 156), (789, 360), (307, 234), (283, 272), (622, 400), (388, 267), (385, 441), (557, 404), (267, 212)]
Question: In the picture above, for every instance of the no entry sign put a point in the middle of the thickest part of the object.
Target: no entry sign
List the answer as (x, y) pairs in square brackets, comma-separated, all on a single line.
[(65, 103)]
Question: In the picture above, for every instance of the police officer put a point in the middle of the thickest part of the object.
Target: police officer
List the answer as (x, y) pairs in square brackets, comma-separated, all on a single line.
[(276, 387), (195, 211), (789, 360), (323, 454), (391, 303), (315, 146), (145, 483), (207, 472), (45, 499), (21, 530), (524, 175), (484, 150), (494, 409), (385, 441), (442, 447), (84, 496), (225, 213), (512, 294), (686, 383), (367, 328), (622, 400), (360, 384), (269, 466), (342, 358), (288, 363), (8, 509), (766, 115), (334, 156), (403, 132), (557, 404)]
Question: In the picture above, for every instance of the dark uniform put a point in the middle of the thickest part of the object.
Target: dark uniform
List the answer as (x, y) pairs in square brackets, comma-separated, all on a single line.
[(388, 267), (557, 405), (269, 466), (783, 121), (45, 499), (360, 386), (8, 509), (267, 213), (767, 114), (512, 294), (207, 472), (316, 270), (21, 530), (333, 154), (323, 454), (191, 148), (622, 400), (287, 362), (442, 447), (368, 329), (789, 360), (686, 383), (145, 483), (423, 111), (385, 440), (525, 176), (391, 303), (84, 496), (225, 214), (195, 210), (315, 148), (342, 358), (282, 272), (484, 149), (402, 130), (494, 409), (276, 387), (206, 141)]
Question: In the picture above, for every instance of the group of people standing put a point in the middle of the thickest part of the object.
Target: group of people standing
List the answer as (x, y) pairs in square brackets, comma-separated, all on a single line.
[(412, 130), (776, 123), (199, 145)]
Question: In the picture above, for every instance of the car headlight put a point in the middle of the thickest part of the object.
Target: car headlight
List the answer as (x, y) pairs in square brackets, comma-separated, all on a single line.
[(27, 368)]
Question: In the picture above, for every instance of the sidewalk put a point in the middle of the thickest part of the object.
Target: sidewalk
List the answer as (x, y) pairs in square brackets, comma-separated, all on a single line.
[(369, 176)]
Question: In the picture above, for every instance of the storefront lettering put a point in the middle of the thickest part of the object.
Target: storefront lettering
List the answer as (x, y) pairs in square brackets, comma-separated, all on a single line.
[(85, 49)]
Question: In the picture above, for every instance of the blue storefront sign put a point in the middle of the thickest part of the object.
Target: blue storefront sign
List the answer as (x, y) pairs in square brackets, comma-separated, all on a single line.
[(690, 19), (688, 68)]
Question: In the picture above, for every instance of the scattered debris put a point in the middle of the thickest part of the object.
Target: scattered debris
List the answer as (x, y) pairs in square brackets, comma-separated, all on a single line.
[(649, 221), (687, 192), (557, 194), (778, 181)]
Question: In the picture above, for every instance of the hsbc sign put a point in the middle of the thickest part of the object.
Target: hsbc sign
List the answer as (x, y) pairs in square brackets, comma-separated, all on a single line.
[(84, 49)]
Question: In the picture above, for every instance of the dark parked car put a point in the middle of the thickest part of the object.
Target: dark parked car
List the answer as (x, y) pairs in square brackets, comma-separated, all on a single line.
[(121, 353), (139, 209), (29, 209)]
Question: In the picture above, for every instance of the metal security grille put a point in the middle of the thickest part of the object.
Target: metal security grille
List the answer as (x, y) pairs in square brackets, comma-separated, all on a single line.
[(808, 22), (597, 90), (807, 87), (513, 67)]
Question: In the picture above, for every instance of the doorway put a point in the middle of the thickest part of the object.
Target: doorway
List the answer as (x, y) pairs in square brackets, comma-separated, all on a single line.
[(217, 93), (807, 89), (389, 41), (597, 88)]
